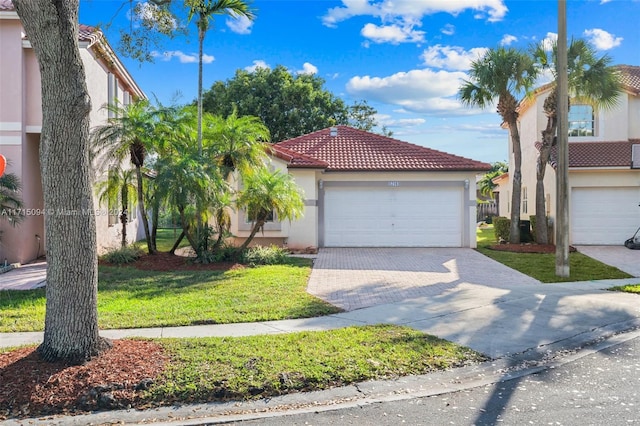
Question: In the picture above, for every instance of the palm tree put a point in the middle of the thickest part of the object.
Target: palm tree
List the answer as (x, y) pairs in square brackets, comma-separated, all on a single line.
[(10, 201), (205, 10), (128, 134), (503, 74), (234, 144), (267, 193), (118, 185), (591, 81), (485, 184)]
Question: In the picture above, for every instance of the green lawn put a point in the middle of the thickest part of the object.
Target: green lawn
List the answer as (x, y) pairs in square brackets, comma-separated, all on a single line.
[(131, 298), (165, 238), (631, 288), (259, 366), (543, 266)]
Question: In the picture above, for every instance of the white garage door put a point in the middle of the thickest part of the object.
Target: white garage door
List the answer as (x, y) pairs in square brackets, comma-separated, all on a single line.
[(604, 215), (393, 217)]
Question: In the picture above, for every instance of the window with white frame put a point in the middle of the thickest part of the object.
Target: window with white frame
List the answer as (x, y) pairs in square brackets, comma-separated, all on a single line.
[(525, 200), (582, 121)]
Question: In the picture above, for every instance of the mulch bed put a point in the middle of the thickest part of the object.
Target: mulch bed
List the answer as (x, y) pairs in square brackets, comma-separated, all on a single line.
[(166, 262), (30, 386), (528, 248)]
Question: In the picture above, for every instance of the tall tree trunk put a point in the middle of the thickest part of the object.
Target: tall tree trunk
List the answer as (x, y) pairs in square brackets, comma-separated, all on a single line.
[(71, 319), (259, 224), (124, 217), (516, 191), (542, 228), (155, 218), (151, 248), (200, 54), (177, 243)]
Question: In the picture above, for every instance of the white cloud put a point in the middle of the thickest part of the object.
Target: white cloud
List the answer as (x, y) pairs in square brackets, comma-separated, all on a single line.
[(417, 90), (411, 10), (604, 1), (549, 41), (240, 24), (451, 57), (507, 39), (448, 29), (308, 68), (388, 121), (185, 58), (258, 63), (393, 34), (602, 39)]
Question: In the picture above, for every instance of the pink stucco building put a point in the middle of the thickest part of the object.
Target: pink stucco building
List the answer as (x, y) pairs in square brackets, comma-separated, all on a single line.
[(21, 123)]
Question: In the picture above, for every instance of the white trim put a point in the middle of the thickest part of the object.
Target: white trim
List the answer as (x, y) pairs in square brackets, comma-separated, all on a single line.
[(9, 14), (33, 129), (10, 140), (10, 126)]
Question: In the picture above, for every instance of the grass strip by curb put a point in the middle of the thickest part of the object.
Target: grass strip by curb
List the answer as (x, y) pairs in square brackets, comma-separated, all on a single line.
[(208, 369)]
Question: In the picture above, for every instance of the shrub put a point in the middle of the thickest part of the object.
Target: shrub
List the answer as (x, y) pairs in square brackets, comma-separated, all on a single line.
[(122, 255), (501, 228), (259, 255)]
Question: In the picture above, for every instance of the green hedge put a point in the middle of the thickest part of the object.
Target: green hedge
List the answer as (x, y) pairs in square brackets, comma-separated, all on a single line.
[(502, 228)]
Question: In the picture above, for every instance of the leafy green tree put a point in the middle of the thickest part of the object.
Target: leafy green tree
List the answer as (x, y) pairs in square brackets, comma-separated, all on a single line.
[(116, 188), (503, 74), (130, 133), (204, 11), (267, 193), (289, 105), (591, 81), (485, 184), (10, 200)]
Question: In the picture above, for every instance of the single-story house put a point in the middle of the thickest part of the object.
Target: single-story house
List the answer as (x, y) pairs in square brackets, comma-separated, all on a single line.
[(368, 190)]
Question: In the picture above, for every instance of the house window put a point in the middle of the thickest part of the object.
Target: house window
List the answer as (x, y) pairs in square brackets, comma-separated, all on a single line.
[(112, 91), (525, 201), (547, 202), (581, 121), (250, 217)]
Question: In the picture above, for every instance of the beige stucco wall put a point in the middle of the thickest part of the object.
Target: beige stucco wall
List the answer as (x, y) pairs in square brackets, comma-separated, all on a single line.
[(20, 127)]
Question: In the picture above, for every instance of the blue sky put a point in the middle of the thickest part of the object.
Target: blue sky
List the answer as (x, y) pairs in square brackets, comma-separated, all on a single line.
[(405, 57)]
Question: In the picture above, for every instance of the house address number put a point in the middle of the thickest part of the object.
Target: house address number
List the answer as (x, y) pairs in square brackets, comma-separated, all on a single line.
[(394, 183)]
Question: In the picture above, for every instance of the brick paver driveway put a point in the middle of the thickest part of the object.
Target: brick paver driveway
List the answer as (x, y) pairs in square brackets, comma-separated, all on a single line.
[(354, 278)]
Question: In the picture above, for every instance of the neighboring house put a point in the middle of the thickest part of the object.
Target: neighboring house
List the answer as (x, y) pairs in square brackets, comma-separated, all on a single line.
[(604, 166), (367, 190), (21, 124)]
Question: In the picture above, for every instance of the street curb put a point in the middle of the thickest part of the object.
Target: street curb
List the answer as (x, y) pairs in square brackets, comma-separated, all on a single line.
[(504, 369)]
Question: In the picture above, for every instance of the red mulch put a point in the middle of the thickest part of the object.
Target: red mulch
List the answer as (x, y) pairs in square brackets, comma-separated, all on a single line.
[(30, 386), (170, 262), (528, 248)]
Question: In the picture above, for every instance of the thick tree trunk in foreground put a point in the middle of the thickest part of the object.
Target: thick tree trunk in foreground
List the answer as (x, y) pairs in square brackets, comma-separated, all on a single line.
[(71, 321)]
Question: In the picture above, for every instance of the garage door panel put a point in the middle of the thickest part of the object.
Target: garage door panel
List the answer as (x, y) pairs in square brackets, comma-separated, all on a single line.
[(402, 217), (604, 215)]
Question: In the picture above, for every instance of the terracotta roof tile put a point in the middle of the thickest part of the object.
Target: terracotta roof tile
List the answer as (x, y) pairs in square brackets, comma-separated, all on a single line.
[(596, 154), (356, 150), (297, 160), (630, 77)]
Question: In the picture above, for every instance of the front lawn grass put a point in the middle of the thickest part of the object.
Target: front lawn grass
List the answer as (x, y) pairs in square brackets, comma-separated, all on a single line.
[(132, 298), (259, 366), (165, 239), (542, 266), (631, 288)]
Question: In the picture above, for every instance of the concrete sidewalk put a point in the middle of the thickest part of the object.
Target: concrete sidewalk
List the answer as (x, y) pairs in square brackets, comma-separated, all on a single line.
[(497, 322), (25, 277)]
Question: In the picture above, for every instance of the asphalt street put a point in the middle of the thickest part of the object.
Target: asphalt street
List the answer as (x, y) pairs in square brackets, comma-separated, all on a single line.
[(599, 388)]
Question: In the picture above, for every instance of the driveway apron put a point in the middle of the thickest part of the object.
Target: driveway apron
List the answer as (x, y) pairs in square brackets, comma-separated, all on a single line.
[(355, 278)]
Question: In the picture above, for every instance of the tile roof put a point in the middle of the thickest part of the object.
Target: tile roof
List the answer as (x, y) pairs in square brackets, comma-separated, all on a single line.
[(297, 160), (357, 150), (596, 154), (630, 77)]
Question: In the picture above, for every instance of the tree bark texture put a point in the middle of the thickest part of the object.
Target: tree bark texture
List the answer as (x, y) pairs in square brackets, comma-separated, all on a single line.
[(71, 320)]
